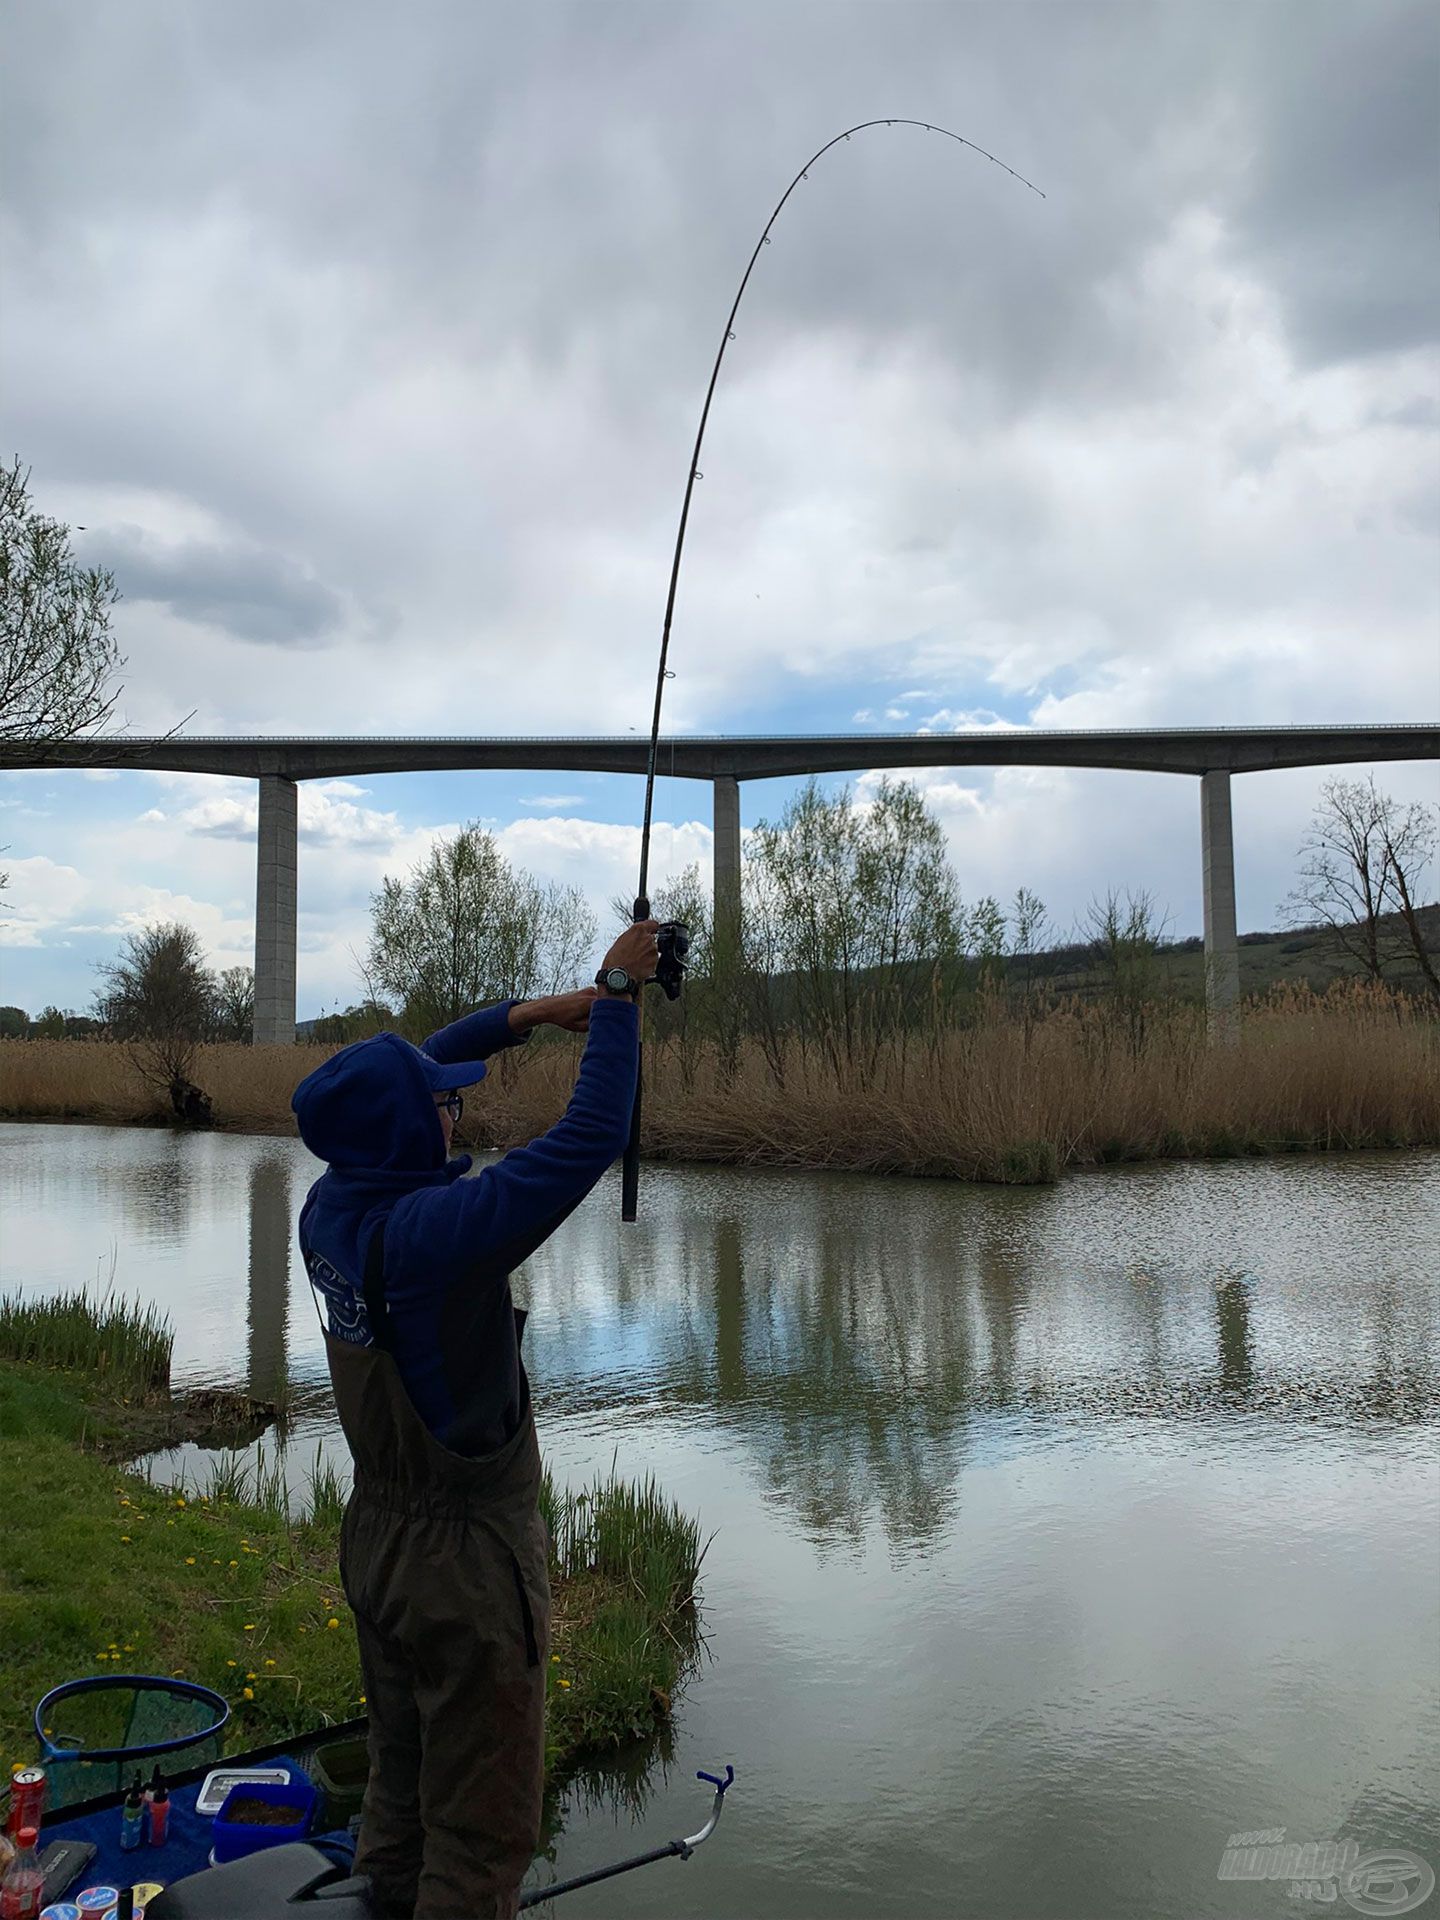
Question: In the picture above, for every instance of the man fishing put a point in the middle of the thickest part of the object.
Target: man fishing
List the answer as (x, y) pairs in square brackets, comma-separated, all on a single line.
[(443, 1552)]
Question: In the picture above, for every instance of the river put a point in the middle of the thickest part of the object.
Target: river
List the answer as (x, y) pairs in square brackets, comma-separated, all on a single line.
[(1060, 1535)]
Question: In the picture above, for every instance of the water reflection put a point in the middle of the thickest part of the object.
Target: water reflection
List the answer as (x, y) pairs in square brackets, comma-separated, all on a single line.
[(1057, 1533), (862, 1348), (268, 1292)]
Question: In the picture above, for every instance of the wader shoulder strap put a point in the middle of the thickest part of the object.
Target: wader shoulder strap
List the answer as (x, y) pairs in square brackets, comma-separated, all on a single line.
[(373, 1287)]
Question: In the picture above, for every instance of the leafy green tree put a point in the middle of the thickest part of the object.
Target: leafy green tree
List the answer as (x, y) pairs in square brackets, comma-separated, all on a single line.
[(14, 1023), (858, 903), (159, 999), (466, 927)]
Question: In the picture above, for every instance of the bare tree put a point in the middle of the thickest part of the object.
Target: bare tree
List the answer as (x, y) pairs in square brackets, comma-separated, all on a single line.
[(1124, 936), (159, 998), (58, 657), (1362, 860), (1409, 835), (234, 1004)]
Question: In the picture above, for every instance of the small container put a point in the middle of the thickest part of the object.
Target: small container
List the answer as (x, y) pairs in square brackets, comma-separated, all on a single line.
[(132, 1819), (96, 1901), (61, 1910), (341, 1771), (27, 1799), (235, 1838), (157, 1810), (219, 1782)]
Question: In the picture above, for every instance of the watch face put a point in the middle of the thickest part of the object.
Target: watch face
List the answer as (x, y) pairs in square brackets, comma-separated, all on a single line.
[(617, 980)]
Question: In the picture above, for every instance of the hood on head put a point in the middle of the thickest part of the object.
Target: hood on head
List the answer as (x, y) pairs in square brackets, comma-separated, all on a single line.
[(371, 1106)]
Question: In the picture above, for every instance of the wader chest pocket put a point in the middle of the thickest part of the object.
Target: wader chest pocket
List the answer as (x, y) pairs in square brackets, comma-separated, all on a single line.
[(532, 1649)]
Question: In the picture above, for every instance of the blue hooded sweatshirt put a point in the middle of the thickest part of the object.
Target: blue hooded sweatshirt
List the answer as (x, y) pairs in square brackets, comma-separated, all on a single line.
[(450, 1244)]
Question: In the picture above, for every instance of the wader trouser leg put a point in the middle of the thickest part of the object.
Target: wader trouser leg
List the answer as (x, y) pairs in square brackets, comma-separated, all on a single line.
[(391, 1838), (481, 1696)]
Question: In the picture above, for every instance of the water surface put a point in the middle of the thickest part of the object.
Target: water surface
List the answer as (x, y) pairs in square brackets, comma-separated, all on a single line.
[(1059, 1534)]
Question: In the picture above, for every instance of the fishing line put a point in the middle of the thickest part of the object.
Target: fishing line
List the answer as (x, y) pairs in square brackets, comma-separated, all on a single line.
[(631, 1176)]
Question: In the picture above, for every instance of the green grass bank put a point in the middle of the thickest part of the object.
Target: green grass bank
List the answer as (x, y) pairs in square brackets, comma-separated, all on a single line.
[(102, 1571)]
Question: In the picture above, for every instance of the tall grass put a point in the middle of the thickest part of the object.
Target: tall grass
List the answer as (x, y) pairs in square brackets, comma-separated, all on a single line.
[(627, 1559), (126, 1346), (263, 1484), (1017, 1100), (1011, 1096), (627, 1531)]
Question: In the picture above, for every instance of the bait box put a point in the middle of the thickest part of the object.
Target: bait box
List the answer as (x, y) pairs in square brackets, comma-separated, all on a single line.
[(341, 1771), (222, 1779), (235, 1838)]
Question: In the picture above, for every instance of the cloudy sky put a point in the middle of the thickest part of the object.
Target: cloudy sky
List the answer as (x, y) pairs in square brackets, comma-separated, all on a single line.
[(367, 345)]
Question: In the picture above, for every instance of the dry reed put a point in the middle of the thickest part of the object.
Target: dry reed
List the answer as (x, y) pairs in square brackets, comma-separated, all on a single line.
[(1005, 1099)]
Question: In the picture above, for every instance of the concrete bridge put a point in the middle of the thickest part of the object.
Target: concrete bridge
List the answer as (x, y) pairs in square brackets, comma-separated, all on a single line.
[(1210, 754)]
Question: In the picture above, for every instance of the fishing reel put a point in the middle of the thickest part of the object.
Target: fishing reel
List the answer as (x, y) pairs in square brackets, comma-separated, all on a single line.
[(673, 939)]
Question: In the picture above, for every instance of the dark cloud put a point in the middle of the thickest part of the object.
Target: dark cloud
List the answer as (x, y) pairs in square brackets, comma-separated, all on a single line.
[(251, 594), (1337, 206)]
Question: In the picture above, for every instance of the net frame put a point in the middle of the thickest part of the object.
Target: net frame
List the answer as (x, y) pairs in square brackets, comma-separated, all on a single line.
[(53, 1755)]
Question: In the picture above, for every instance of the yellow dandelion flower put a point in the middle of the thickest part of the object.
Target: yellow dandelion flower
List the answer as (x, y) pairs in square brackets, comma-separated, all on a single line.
[(190, 1560), (234, 1563), (125, 1538), (269, 1663), (250, 1628), (249, 1692), (230, 1663), (113, 1644), (554, 1659), (179, 1503), (362, 1699), (252, 1676), (177, 1673), (565, 1683), (129, 1646), (332, 1623)]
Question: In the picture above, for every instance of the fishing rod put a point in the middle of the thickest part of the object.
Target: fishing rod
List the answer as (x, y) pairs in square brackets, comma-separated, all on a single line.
[(674, 938)]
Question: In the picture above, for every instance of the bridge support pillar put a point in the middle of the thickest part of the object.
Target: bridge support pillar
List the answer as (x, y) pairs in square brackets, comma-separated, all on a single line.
[(275, 913), (726, 910), (1222, 951)]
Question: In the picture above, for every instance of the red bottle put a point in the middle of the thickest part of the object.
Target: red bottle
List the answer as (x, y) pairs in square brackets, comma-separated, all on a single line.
[(23, 1887)]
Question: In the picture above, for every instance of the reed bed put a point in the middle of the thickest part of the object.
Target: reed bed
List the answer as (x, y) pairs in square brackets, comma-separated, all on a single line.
[(1018, 1101), (625, 1561), (1010, 1097), (124, 1346)]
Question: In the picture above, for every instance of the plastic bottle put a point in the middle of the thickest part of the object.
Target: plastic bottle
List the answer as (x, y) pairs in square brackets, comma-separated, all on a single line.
[(157, 1809), (23, 1887), (132, 1818)]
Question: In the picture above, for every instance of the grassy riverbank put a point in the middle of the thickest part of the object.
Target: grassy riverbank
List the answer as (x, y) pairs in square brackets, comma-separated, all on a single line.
[(102, 1571), (1016, 1095)]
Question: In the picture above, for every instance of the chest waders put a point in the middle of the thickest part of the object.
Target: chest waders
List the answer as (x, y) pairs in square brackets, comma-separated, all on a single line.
[(444, 1561)]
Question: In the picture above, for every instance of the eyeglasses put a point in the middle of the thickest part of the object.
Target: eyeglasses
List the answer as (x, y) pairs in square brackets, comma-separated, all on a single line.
[(454, 1105)]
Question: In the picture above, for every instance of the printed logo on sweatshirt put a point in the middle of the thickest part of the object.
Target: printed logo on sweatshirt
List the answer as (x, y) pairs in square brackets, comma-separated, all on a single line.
[(344, 1307)]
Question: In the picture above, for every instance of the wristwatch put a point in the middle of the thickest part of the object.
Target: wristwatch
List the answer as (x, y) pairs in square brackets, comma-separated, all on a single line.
[(617, 980)]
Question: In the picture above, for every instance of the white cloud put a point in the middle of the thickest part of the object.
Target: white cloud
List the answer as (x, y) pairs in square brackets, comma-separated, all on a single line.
[(41, 895)]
